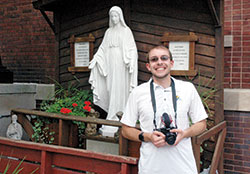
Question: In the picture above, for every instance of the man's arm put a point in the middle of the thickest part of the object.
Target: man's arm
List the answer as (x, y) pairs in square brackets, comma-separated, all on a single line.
[(192, 131), (131, 133)]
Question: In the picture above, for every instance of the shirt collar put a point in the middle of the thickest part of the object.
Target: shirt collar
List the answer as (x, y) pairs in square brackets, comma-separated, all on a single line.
[(156, 86)]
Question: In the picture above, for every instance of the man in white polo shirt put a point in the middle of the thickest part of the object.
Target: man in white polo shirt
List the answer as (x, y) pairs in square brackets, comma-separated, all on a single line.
[(166, 103)]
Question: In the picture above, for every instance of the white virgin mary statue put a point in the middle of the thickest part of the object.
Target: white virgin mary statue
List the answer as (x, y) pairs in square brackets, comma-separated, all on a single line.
[(114, 68)]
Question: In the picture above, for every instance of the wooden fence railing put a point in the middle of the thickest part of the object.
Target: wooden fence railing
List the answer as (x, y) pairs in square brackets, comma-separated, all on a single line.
[(52, 159), (65, 130), (217, 160), (127, 147)]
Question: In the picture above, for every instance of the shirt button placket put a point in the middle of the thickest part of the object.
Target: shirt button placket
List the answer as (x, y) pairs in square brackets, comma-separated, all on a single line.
[(165, 95)]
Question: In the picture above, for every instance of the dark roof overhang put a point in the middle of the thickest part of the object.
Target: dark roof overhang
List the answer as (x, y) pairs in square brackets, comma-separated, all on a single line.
[(47, 5)]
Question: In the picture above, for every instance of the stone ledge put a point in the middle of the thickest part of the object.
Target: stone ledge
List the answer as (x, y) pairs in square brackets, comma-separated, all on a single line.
[(23, 95), (236, 99), (17, 88)]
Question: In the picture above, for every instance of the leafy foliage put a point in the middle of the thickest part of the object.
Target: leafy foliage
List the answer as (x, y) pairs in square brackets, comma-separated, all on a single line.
[(68, 101), (42, 132), (206, 90), (207, 94)]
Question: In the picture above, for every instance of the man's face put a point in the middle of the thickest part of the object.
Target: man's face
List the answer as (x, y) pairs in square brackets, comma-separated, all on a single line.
[(114, 17), (159, 63)]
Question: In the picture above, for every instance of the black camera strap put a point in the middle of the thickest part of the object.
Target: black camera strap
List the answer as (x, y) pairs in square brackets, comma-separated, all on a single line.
[(154, 102)]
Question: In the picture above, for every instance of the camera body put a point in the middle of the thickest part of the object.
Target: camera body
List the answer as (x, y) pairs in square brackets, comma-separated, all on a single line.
[(170, 137)]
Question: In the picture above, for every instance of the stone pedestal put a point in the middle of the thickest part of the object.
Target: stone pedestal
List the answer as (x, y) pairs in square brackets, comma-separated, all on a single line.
[(103, 147)]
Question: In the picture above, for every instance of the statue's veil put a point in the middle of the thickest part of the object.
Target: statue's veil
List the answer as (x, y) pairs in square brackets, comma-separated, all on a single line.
[(119, 11)]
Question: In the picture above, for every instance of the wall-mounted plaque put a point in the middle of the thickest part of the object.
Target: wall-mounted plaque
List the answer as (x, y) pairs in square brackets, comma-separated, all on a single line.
[(180, 52), (81, 53), (182, 48)]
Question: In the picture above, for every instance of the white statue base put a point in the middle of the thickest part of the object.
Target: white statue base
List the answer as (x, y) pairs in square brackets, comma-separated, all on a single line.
[(108, 131)]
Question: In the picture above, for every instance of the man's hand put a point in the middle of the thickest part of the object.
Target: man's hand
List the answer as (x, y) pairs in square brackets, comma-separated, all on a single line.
[(158, 139), (180, 135), (192, 131)]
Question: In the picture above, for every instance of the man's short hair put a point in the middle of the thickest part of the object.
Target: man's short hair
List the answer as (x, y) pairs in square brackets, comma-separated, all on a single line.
[(160, 47)]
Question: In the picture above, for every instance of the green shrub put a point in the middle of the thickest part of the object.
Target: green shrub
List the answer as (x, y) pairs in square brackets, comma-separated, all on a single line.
[(68, 101)]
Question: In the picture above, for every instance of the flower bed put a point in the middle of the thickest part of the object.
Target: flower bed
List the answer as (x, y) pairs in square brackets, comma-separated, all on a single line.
[(69, 102)]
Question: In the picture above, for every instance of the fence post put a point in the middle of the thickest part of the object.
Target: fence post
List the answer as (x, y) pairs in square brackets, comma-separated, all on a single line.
[(124, 168), (45, 163), (63, 135)]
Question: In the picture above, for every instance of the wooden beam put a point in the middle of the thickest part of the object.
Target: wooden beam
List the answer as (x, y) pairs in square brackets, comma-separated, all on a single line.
[(52, 26), (213, 12), (124, 169), (196, 151), (218, 152), (123, 145), (39, 4), (46, 162), (27, 126), (63, 137), (219, 67)]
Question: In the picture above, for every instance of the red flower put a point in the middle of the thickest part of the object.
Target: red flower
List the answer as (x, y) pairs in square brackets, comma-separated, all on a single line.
[(87, 108), (74, 104), (87, 103), (65, 110)]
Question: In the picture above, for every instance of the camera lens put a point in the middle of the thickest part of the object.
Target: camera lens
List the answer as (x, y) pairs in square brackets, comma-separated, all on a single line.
[(170, 138)]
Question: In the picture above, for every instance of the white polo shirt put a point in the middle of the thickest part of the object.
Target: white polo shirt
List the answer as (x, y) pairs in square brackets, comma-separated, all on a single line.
[(168, 159)]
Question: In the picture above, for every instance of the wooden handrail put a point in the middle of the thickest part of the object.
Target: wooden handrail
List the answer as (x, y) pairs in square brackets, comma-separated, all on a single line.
[(69, 118), (207, 134), (65, 128), (217, 152), (219, 129), (51, 159), (64, 124)]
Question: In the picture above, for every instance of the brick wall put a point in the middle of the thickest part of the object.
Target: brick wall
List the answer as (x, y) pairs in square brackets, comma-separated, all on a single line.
[(237, 75), (237, 57), (237, 145), (27, 44)]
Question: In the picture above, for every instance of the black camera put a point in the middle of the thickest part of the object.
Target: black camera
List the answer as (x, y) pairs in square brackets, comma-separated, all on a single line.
[(170, 136)]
